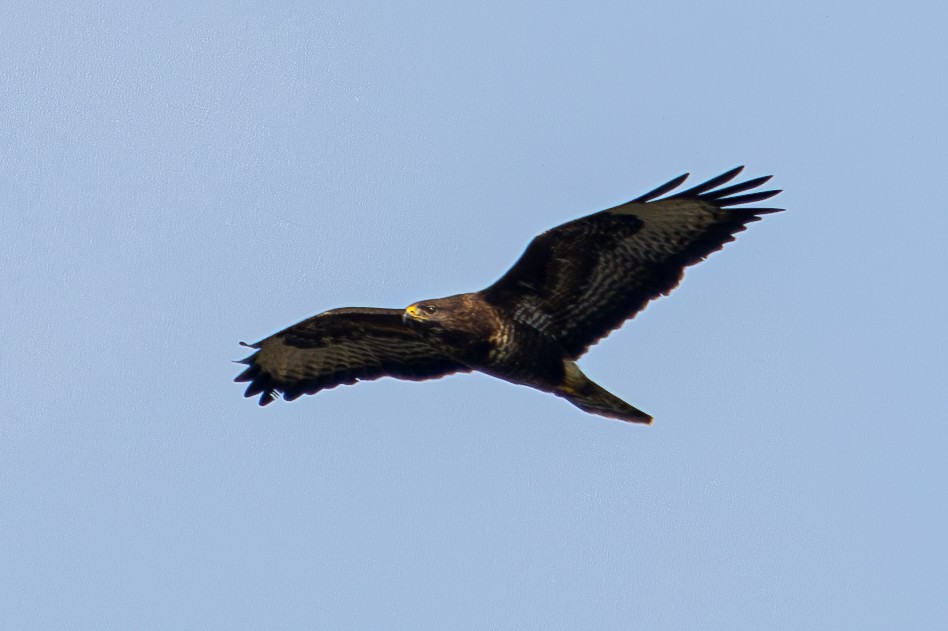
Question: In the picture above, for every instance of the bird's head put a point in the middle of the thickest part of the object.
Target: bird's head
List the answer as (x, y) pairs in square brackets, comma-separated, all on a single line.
[(435, 313), (429, 312)]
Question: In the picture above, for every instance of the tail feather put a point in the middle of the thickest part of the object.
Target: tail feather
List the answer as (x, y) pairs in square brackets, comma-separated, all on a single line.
[(590, 397)]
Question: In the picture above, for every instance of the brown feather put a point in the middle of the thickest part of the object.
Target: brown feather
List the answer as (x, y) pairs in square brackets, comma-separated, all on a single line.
[(338, 347), (581, 280)]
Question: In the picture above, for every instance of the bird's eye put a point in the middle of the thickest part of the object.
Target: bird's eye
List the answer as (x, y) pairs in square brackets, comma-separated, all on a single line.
[(429, 309)]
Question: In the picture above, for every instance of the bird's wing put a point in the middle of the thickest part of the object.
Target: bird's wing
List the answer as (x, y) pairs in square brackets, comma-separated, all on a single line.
[(341, 346), (579, 281)]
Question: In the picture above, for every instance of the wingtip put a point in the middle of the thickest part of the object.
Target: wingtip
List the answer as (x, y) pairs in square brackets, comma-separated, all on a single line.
[(710, 185), (667, 187), (766, 211)]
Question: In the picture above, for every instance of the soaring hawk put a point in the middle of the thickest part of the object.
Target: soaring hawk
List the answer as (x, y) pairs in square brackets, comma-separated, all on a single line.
[(573, 285)]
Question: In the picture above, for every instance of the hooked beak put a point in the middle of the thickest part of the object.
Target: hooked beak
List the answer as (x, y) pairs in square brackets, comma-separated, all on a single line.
[(412, 312)]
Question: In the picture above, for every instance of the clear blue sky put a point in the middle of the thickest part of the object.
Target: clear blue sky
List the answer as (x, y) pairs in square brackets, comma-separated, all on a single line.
[(175, 179)]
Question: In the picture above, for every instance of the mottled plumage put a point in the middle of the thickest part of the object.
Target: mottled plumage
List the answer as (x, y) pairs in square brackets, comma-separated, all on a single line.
[(571, 287)]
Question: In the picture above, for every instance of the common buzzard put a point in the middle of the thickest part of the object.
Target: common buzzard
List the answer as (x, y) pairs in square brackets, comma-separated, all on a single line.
[(571, 287)]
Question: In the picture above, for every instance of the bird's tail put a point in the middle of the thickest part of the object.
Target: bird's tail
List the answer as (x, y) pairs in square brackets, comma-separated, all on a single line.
[(590, 397)]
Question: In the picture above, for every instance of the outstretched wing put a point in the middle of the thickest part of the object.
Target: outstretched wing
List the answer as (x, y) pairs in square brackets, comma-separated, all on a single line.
[(341, 346), (579, 281)]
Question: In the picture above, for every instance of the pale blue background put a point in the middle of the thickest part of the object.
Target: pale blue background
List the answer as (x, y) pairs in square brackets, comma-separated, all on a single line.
[(175, 179)]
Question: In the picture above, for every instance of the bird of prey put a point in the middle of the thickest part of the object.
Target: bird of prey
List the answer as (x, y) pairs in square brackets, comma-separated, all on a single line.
[(573, 285)]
